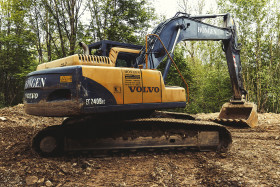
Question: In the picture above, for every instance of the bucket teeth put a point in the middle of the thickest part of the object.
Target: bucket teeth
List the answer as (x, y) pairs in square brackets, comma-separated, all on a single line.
[(230, 122)]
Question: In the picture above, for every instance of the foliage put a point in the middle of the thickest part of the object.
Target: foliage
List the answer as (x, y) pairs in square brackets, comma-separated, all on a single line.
[(211, 86), (15, 54), (209, 83), (120, 20), (259, 31), (37, 31), (258, 23)]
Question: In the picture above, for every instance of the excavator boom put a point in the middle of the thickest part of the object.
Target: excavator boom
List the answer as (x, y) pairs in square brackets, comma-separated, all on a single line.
[(184, 27)]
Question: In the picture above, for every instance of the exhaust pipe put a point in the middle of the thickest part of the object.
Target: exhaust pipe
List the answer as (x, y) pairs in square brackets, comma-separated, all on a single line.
[(85, 48)]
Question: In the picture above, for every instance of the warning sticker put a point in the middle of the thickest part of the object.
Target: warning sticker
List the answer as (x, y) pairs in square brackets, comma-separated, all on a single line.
[(132, 78)]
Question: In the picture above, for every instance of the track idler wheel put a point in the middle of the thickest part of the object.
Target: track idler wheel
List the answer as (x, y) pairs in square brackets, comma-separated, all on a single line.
[(48, 142)]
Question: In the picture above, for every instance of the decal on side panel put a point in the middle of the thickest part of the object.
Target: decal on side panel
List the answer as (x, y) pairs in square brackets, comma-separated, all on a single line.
[(95, 101), (38, 82), (143, 89), (31, 95)]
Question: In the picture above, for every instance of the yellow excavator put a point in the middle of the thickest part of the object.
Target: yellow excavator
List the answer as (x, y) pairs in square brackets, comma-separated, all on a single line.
[(112, 98)]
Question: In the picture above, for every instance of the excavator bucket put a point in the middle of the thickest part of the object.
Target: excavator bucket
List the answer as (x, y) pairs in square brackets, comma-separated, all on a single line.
[(238, 114)]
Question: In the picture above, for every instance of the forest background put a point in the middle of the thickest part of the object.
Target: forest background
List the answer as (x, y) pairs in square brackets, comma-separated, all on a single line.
[(37, 31)]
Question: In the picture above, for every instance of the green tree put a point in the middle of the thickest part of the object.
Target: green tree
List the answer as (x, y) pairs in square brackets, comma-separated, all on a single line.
[(35, 31), (258, 23), (120, 20), (15, 50), (65, 14), (210, 87)]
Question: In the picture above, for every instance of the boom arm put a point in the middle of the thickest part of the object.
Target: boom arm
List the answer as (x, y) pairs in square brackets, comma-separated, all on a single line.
[(187, 27)]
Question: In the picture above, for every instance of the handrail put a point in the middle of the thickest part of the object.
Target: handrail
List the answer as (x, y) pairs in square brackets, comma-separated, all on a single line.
[(169, 58)]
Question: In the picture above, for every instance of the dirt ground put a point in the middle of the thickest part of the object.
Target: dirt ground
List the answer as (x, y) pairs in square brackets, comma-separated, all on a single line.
[(253, 160)]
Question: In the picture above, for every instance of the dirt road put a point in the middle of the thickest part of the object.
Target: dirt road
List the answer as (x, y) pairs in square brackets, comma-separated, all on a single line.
[(253, 160)]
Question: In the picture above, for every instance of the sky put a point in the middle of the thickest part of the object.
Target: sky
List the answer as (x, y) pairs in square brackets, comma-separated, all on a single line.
[(169, 8), (165, 7)]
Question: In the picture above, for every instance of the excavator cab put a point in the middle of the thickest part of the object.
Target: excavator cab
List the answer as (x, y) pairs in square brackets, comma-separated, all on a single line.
[(122, 54)]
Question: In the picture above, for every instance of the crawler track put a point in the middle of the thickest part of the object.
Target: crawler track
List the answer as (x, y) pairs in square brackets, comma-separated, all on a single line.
[(99, 135)]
